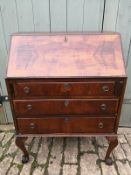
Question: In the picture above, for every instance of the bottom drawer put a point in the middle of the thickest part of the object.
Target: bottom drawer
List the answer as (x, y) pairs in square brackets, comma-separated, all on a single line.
[(61, 125)]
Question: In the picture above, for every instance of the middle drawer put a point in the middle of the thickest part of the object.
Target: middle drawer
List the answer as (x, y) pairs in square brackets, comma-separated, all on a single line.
[(67, 106)]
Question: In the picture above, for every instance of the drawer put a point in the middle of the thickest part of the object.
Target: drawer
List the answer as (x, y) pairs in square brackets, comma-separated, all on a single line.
[(46, 89), (68, 106), (63, 125)]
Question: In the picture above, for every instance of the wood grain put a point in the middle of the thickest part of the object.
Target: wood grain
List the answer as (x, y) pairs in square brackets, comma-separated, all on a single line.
[(66, 56), (91, 88), (46, 72), (65, 125), (65, 106)]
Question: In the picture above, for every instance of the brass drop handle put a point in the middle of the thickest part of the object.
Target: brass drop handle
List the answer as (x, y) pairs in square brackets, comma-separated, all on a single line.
[(100, 125), (26, 89), (103, 107), (29, 106), (66, 103), (105, 88), (32, 125)]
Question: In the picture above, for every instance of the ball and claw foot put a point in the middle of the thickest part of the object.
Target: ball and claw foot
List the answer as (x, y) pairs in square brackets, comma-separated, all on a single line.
[(25, 159), (109, 161)]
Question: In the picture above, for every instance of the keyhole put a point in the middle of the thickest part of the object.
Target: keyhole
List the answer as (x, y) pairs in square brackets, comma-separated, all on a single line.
[(65, 39)]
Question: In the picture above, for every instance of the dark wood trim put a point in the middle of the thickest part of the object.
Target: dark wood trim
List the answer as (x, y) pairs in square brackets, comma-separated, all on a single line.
[(120, 103), (68, 135)]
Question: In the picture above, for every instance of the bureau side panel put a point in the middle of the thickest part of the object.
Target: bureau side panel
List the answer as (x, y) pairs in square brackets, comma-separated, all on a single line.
[(121, 91)]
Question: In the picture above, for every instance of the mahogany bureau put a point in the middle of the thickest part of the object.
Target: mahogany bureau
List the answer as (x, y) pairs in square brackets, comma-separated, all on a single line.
[(66, 85)]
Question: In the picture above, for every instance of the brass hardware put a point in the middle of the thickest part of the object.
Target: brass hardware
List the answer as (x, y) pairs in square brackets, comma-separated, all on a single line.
[(66, 103), (103, 107), (26, 89), (66, 119), (66, 85), (32, 125), (105, 88), (29, 106), (100, 125), (121, 82)]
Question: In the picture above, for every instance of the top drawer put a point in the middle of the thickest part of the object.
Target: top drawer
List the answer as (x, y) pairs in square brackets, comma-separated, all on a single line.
[(39, 88)]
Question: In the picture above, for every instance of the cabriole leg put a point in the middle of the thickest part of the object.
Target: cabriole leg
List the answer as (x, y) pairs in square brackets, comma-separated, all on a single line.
[(113, 142), (20, 142)]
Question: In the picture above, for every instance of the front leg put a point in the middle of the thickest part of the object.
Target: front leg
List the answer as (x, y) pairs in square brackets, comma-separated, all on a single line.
[(20, 142), (113, 142)]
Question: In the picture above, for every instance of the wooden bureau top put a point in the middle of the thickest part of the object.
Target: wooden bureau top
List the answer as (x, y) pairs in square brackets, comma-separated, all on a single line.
[(65, 55)]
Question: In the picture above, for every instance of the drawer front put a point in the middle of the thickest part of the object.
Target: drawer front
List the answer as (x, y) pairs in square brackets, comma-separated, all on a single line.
[(65, 125), (33, 89), (68, 106)]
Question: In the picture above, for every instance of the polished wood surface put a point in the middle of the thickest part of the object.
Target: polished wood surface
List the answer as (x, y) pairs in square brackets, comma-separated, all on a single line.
[(66, 125), (51, 89), (65, 55), (66, 85), (67, 106)]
